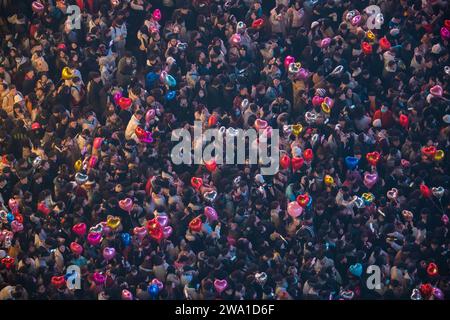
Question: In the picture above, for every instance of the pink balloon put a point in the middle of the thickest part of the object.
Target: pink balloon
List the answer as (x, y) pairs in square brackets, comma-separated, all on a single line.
[(127, 295), (329, 102), (158, 283), (79, 229), (98, 278), (109, 253), (317, 101), (156, 14), (150, 115), (13, 205), (117, 97), (220, 285), (302, 73), (16, 226), (436, 90), (370, 179), (126, 204), (210, 213), (294, 209), (162, 220), (167, 231), (288, 60), (445, 33), (92, 161), (94, 238), (140, 232), (235, 39), (325, 42)]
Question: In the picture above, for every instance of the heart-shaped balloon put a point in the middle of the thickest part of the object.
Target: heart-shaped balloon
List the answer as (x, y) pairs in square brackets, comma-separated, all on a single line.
[(126, 204), (10, 217), (384, 43), (439, 155), (125, 103), (79, 229), (258, 23), (260, 124), (78, 165), (425, 191), (97, 143), (16, 226), (297, 129), (113, 222), (308, 155), (156, 15), (405, 163), (366, 48), (37, 7), (162, 220), (92, 161), (429, 151), (416, 295), (150, 115), (373, 158), (197, 183), (444, 219), (58, 281), (445, 33), (359, 202), (392, 194), (210, 213), (285, 161), (99, 278), (356, 20), (210, 196), (81, 178), (356, 269), (158, 283), (294, 209), (117, 96), (220, 285), (126, 295), (294, 68), (42, 207), (310, 117), (140, 133), (94, 238), (325, 108), (351, 162), (328, 180), (303, 199), (126, 239), (426, 290), (195, 224), (167, 231), (368, 198), (325, 42), (432, 269), (297, 163), (261, 278), (76, 248), (438, 294), (370, 35), (288, 60), (211, 165), (317, 101), (13, 205), (370, 179), (404, 121), (109, 253), (140, 232), (438, 192), (235, 39), (98, 228)]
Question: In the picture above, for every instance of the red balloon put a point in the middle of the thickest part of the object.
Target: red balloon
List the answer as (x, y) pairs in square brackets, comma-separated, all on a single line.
[(303, 200), (425, 191), (404, 121), (58, 281), (76, 248), (211, 165), (258, 23), (366, 48), (297, 163), (285, 161), (140, 133), (432, 269), (426, 290), (385, 44), (195, 224), (124, 103), (429, 151), (373, 158), (308, 155), (155, 230), (196, 182)]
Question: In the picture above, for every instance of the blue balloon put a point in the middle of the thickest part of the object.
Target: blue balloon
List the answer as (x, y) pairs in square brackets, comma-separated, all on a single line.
[(351, 162), (170, 81), (171, 94), (150, 78), (309, 202), (126, 239), (10, 217), (153, 290)]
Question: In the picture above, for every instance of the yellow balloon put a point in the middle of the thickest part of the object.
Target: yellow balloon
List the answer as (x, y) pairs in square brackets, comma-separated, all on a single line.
[(370, 35), (113, 222), (325, 108), (66, 73), (328, 180), (297, 129), (368, 197), (439, 155), (78, 164)]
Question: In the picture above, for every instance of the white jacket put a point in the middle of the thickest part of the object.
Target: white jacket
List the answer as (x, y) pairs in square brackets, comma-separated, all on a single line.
[(131, 127)]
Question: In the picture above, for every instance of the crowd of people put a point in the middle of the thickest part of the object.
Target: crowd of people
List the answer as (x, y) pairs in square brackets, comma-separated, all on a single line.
[(359, 91)]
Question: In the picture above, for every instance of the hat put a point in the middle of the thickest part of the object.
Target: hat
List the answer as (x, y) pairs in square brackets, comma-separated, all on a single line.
[(314, 24)]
